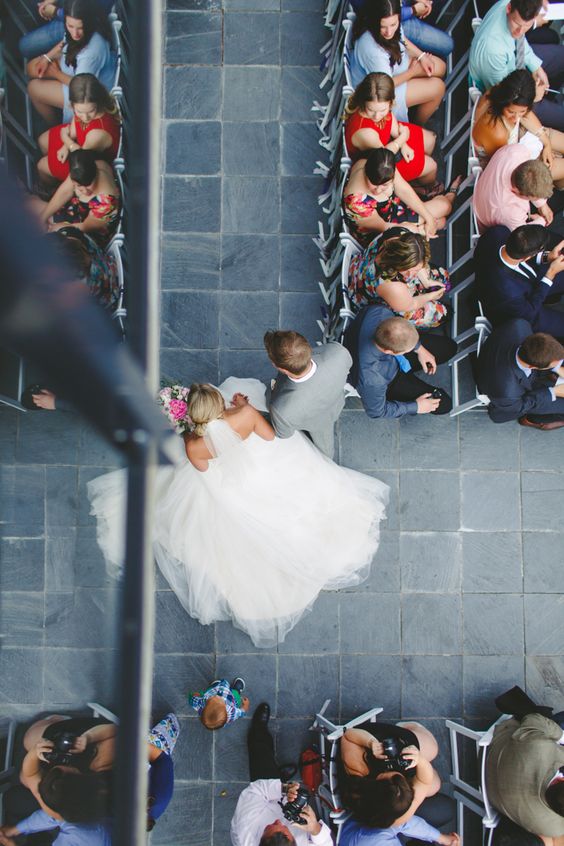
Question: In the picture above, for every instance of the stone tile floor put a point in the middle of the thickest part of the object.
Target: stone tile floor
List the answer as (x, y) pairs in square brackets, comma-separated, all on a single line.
[(466, 594)]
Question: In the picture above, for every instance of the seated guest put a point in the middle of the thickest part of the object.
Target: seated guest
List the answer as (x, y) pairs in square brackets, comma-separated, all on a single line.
[(48, 35), (380, 46), (354, 833), (95, 126), (507, 187), (258, 819), (506, 833), (499, 47), (69, 834), (510, 372), (503, 116), (513, 280), (394, 271), (377, 197), (383, 790), (416, 27), (89, 199), (523, 774), (86, 48), (93, 266), (370, 123), (162, 740), (385, 351)]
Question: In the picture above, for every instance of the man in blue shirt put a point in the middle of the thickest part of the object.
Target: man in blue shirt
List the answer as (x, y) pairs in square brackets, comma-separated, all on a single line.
[(70, 834), (386, 350), (500, 47), (354, 834)]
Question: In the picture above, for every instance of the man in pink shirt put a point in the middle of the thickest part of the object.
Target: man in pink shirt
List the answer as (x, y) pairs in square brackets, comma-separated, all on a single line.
[(510, 182)]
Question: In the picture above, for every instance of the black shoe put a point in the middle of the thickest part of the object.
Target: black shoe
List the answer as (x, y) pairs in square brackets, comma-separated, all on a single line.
[(261, 715)]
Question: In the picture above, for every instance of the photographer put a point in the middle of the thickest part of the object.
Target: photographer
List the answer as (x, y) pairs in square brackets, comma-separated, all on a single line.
[(386, 775), (70, 834), (259, 819)]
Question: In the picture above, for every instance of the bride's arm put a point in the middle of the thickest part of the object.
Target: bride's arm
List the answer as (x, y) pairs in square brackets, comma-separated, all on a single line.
[(262, 427), (197, 452)]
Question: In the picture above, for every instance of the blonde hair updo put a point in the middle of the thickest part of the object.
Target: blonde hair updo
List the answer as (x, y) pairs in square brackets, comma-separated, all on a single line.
[(205, 403)]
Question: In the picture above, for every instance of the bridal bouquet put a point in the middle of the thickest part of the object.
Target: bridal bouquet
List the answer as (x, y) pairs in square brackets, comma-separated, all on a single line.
[(174, 402)]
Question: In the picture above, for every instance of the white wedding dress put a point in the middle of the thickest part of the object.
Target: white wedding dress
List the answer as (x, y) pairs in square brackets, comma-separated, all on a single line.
[(259, 534)]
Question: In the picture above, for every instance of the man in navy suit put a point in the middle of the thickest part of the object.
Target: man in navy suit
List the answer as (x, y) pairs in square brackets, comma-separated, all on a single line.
[(521, 374), (515, 273)]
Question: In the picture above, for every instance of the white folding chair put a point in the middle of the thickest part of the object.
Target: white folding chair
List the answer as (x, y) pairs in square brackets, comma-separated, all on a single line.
[(473, 797), (8, 773), (114, 249), (481, 329), (101, 711), (116, 25)]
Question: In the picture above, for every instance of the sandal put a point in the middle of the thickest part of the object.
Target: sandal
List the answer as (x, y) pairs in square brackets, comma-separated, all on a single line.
[(454, 186), (427, 192)]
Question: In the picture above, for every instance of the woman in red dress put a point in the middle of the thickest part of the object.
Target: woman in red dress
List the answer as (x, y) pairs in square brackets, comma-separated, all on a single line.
[(370, 123), (95, 126)]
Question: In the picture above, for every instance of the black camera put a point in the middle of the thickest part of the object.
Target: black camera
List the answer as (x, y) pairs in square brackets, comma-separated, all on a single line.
[(394, 761), (61, 756), (292, 810), (436, 393)]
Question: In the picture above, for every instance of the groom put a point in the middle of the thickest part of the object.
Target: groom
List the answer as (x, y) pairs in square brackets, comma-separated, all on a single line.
[(308, 395)]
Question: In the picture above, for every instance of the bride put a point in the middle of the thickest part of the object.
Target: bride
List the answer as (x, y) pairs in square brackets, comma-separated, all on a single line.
[(249, 527)]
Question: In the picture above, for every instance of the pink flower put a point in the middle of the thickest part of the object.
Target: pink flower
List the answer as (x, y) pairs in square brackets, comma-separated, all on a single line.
[(178, 409)]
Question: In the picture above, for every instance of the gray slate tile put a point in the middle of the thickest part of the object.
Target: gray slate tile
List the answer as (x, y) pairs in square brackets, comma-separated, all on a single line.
[(385, 572), (251, 39), (428, 441), (259, 672), (191, 204), (251, 204), (21, 675), (225, 796), (492, 562), (190, 261), (187, 366), (83, 618), (370, 681), (178, 326), (243, 318), (193, 147), (300, 148), (251, 149), (55, 441), (22, 500), (429, 500), (493, 624), (79, 675), (8, 433), (487, 447), (95, 449), (231, 759), (176, 631), (250, 262), (391, 479), (544, 632), (21, 618), (370, 624), (430, 561), (252, 5), (318, 631), (299, 88), (490, 501), (22, 563), (430, 624), (251, 93), (318, 675), (300, 210), (542, 554), (431, 686), (249, 363), (299, 51), (176, 676), (300, 269), (193, 38), (193, 5), (367, 444), (541, 498), (192, 93), (537, 453), (60, 498), (485, 678), (545, 679), (301, 312), (231, 640), (190, 810), (193, 753)]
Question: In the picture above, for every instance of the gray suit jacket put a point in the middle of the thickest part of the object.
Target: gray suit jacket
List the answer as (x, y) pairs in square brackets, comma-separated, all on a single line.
[(313, 406)]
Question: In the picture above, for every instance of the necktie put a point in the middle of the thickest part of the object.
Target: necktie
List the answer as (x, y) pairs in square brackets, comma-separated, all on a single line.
[(404, 364), (520, 53)]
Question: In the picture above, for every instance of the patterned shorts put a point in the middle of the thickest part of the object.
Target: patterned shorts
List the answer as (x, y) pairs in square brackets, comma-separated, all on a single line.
[(165, 734)]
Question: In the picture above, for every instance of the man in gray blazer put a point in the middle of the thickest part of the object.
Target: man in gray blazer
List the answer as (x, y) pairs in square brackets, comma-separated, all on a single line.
[(308, 395)]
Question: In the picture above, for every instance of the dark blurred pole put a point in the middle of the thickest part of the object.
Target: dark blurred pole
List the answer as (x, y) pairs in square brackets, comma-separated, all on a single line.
[(142, 88)]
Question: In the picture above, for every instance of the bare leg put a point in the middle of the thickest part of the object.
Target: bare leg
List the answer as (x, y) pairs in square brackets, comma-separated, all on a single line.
[(429, 141), (43, 142), (427, 95), (428, 745), (47, 97), (556, 140), (429, 173), (35, 732), (45, 176)]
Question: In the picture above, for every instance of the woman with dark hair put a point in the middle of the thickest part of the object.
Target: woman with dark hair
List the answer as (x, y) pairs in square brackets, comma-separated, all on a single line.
[(85, 48), (369, 123), (380, 46), (44, 37), (92, 265), (95, 126), (394, 270), (89, 198), (504, 115), (385, 790), (377, 197)]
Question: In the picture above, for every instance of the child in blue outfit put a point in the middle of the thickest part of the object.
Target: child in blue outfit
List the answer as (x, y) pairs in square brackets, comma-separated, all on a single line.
[(222, 703)]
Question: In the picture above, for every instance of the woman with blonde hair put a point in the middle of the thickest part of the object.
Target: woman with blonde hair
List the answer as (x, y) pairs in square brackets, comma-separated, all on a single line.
[(369, 123), (395, 271), (249, 527)]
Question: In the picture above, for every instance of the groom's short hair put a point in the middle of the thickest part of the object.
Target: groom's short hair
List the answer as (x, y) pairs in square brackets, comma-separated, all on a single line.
[(396, 334), (288, 350)]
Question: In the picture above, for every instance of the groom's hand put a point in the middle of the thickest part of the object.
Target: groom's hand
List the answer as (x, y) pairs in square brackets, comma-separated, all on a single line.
[(239, 400)]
